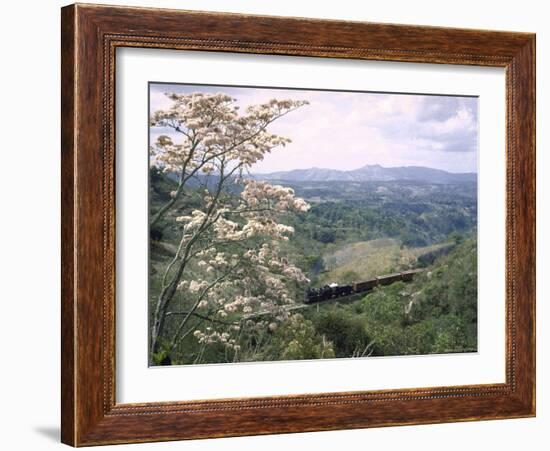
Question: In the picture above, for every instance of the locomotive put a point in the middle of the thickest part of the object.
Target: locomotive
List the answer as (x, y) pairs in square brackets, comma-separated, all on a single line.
[(334, 291)]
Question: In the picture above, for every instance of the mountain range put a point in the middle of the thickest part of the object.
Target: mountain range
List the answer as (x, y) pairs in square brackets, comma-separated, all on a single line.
[(371, 173)]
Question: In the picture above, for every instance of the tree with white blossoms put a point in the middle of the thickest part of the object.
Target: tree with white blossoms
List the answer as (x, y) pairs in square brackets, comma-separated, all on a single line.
[(228, 266)]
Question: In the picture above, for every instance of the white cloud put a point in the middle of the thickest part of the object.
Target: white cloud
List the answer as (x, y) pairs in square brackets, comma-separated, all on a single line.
[(346, 130)]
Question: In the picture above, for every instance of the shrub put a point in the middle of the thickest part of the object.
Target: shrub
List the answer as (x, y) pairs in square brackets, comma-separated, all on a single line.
[(344, 330)]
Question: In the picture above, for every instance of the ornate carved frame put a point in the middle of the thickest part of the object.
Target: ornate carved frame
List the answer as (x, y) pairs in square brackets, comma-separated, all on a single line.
[(90, 36)]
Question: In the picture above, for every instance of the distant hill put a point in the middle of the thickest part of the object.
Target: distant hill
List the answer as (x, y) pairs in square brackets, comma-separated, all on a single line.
[(371, 173)]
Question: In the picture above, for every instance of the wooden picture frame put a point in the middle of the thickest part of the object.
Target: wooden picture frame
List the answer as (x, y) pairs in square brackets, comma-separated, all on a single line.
[(90, 36)]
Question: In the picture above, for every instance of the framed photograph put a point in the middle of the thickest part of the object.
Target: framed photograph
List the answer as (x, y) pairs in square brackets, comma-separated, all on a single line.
[(278, 225)]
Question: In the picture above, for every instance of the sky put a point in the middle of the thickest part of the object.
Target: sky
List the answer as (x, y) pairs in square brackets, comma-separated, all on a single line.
[(347, 130)]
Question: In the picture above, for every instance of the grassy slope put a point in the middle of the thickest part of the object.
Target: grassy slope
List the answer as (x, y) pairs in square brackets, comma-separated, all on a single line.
[(365, 259)]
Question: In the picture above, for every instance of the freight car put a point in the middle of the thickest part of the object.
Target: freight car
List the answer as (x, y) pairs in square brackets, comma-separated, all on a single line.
[(360, 287), (334, 291), (389, 278), (407, 276)]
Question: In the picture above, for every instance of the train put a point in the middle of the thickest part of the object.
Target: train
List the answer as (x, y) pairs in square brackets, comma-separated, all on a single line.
[(334, 291)]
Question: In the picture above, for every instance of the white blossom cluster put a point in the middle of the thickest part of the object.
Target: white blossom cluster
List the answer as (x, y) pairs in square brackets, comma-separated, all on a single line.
[(212, 132), (211, 336), (258, 279), (279, 197)]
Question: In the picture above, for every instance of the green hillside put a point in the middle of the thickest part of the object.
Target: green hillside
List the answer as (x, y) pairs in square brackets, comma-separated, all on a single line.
[(436, 313), (354, 231)]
